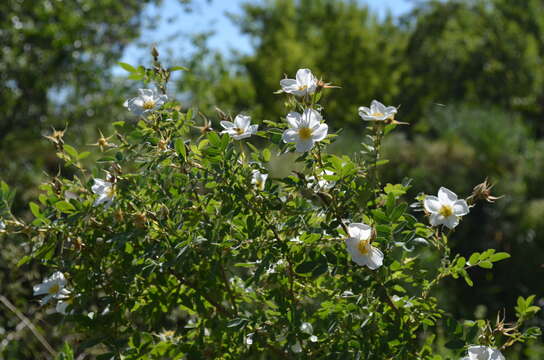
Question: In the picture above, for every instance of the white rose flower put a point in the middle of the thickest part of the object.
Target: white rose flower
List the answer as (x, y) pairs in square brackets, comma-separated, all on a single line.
[(358, 245), (305, 129), (304, 84), (477, 352), (53, 287), (147, 101), (240, 128), (2, 225), (259, 179), (445, 209), (377, 112), (105, 191)]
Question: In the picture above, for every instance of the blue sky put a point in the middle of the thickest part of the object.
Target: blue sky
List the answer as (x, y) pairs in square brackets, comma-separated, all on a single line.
[(212, 16)]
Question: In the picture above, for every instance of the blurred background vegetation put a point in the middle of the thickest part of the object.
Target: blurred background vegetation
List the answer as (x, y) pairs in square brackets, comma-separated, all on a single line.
[(468, 76)]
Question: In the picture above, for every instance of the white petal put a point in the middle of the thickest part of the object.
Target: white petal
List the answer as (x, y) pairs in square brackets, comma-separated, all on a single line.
[(293, 119), (359, 231), (252, 129), (146, 92), (451, 221), (432, 204), (40, 289), (377, 107), (477, 352), (390, 110), (242, 121), (161, 100), (436, 219), (227, 124), (61, 307), (372, 118), (375, 258), (290, 135), (460, 208), (352, 245), (241, 136), (304, 77), (495, 354), (364, 110), (304, 145), (288, 85), (320, 133), (446, 196), (312, 117)]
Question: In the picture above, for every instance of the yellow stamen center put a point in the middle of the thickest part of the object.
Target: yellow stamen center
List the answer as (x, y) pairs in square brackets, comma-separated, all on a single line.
[(54, 289), (239, 131), (259, 184), (446, 210), (377, 114), (305, 133), (149, 104), (363, 247), (110, 191), (302, 87)]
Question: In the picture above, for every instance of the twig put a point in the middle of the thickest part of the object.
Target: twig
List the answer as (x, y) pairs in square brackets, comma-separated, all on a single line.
[(28, 324)]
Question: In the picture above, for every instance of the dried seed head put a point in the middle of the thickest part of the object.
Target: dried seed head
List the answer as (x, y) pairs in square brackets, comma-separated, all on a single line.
[(483, 192)]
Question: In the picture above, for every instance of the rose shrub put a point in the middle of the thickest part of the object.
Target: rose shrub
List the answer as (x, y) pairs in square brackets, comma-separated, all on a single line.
[(179, 244)]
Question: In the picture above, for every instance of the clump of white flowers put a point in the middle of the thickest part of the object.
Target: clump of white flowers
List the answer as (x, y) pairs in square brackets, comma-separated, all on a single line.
[(241, 128), (304, 84), (377, 112), (305, 129), (105, 191), (445, 209), (259, 179), (360, 248), (478, 352), (54, 288), (147, 101)]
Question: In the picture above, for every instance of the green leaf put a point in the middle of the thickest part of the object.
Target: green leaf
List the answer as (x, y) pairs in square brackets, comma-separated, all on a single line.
[(499, 256), (24, 260), (486, 264), (266, 155), (178, 68), (71, 151), (473, 259), (179, 145), (84, 154), (35, 210), (127, 67), (64, 207)]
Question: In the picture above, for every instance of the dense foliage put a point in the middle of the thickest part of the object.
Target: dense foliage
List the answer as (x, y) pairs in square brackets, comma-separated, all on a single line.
[(467, 74), (184, 248)]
